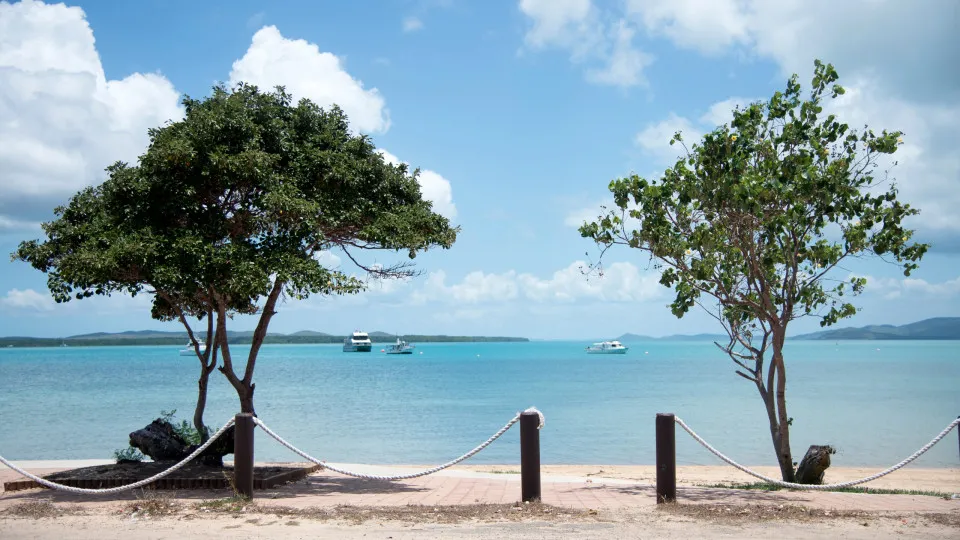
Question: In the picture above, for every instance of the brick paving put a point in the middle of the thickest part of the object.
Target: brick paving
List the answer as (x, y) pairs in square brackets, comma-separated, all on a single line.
[(324, 489)]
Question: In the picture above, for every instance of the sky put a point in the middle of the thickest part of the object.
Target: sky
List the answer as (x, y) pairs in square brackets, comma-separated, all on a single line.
[(518, 113)]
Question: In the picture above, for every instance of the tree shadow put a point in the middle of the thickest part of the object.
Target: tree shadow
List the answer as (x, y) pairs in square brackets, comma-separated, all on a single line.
[(318, 483)]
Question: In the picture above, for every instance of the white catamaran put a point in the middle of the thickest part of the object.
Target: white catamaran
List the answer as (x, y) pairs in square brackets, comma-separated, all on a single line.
[(358, 342)]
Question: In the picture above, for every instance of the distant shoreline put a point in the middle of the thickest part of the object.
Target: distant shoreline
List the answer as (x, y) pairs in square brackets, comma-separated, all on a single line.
[(31, 342)]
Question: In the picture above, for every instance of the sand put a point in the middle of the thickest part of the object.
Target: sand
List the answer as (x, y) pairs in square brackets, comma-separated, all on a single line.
[(583, 501)]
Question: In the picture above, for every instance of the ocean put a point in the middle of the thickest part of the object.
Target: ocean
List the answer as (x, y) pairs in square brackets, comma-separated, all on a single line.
[(876, 402)]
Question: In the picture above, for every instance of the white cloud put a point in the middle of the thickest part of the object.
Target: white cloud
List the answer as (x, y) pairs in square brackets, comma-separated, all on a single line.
[(26, 300), (433, 186), (875, 45), (625, 64), (578, 27), (927, 170), (655, 138), (61, 120), (556, 22), (412, 24), (619, 282), (891, 288), (476, 287), (706, 25), (306, 72), (328, 259), (885, 37), (928, 166)]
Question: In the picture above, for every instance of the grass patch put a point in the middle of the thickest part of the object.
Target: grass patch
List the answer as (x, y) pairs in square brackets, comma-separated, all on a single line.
[(740, 513), (407, 514), (229, 505), (40, 509), (502, 471), (763, 486), (153, 504)]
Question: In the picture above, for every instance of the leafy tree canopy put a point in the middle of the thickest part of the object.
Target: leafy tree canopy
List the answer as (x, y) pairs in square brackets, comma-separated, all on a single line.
[(229, 208), (752, 220)]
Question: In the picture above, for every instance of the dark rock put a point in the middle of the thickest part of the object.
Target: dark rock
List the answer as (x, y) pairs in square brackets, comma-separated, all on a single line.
[(814, 464), (159, 441)]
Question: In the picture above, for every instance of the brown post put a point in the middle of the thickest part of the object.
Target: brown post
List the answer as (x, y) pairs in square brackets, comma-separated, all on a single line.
[(666, 458), (530, 456), (243, 455)]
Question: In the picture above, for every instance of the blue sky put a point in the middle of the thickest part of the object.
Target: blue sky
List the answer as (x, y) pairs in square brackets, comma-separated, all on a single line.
[(519, 113)]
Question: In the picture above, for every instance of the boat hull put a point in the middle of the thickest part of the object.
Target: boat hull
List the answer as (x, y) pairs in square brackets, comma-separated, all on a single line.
[(608, 351), (400, 352), (349, 347)]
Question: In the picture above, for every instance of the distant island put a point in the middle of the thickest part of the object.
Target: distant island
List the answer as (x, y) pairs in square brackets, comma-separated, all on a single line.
[(154, 337), (939, 328)]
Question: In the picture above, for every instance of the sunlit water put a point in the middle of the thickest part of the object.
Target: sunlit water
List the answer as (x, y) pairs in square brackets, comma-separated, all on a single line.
[(877, 402)]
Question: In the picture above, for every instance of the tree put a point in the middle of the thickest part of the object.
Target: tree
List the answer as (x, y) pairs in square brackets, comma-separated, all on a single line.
[(752, 223), (99, 245), (237, 201)]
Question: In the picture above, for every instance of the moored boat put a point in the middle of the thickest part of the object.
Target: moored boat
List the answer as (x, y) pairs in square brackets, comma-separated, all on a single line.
[(358, 342), (190, 351), (400, 347), (607, 347)]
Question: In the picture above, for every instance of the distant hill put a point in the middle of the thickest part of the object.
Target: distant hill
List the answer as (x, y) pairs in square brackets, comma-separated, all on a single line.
[(937, 328), (628, 337), (309, 333), (158, 337)]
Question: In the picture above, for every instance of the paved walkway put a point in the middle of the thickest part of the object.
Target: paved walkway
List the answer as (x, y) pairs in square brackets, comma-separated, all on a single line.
[(457, 486)]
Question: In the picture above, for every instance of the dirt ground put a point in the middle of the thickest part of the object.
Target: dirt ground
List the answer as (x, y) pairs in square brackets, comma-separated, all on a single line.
[(486, 521)]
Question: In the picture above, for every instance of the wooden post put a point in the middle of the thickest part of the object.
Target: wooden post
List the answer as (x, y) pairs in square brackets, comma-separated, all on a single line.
[(666, 458), (530, 456), (958, 433), (243, 455)]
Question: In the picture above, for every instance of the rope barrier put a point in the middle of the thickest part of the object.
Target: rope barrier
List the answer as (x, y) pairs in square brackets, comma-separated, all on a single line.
[(820, 487), (106, 491), (346, 472)]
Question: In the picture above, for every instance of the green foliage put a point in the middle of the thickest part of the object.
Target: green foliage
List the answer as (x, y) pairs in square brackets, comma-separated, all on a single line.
[(185, 430), (761, 210), (756, 216), (241, 194), (227, 212), (127, 454)]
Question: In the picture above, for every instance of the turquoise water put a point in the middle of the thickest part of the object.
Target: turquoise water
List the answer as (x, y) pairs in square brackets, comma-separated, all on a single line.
[(875, 401)]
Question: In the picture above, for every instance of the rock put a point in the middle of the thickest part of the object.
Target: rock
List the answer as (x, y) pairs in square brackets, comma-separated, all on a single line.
[(161, 443), (814, 464)]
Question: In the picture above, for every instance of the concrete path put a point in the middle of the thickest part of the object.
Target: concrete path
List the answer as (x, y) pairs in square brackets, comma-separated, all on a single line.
[(457, 486)]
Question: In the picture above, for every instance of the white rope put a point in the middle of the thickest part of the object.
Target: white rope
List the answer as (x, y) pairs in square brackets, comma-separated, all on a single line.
[(345, 472), (822, 487), (105, 491)]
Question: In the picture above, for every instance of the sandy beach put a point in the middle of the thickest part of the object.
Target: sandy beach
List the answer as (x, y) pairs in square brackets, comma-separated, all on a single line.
[(480, 501)]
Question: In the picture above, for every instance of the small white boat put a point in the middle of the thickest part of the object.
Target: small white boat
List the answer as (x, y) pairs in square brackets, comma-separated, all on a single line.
[(189, 350), (358, 342), (607, 347), (400, 347)]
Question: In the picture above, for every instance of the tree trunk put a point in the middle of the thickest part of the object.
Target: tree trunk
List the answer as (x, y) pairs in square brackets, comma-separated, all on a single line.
[(201, 405), (782, 441)]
